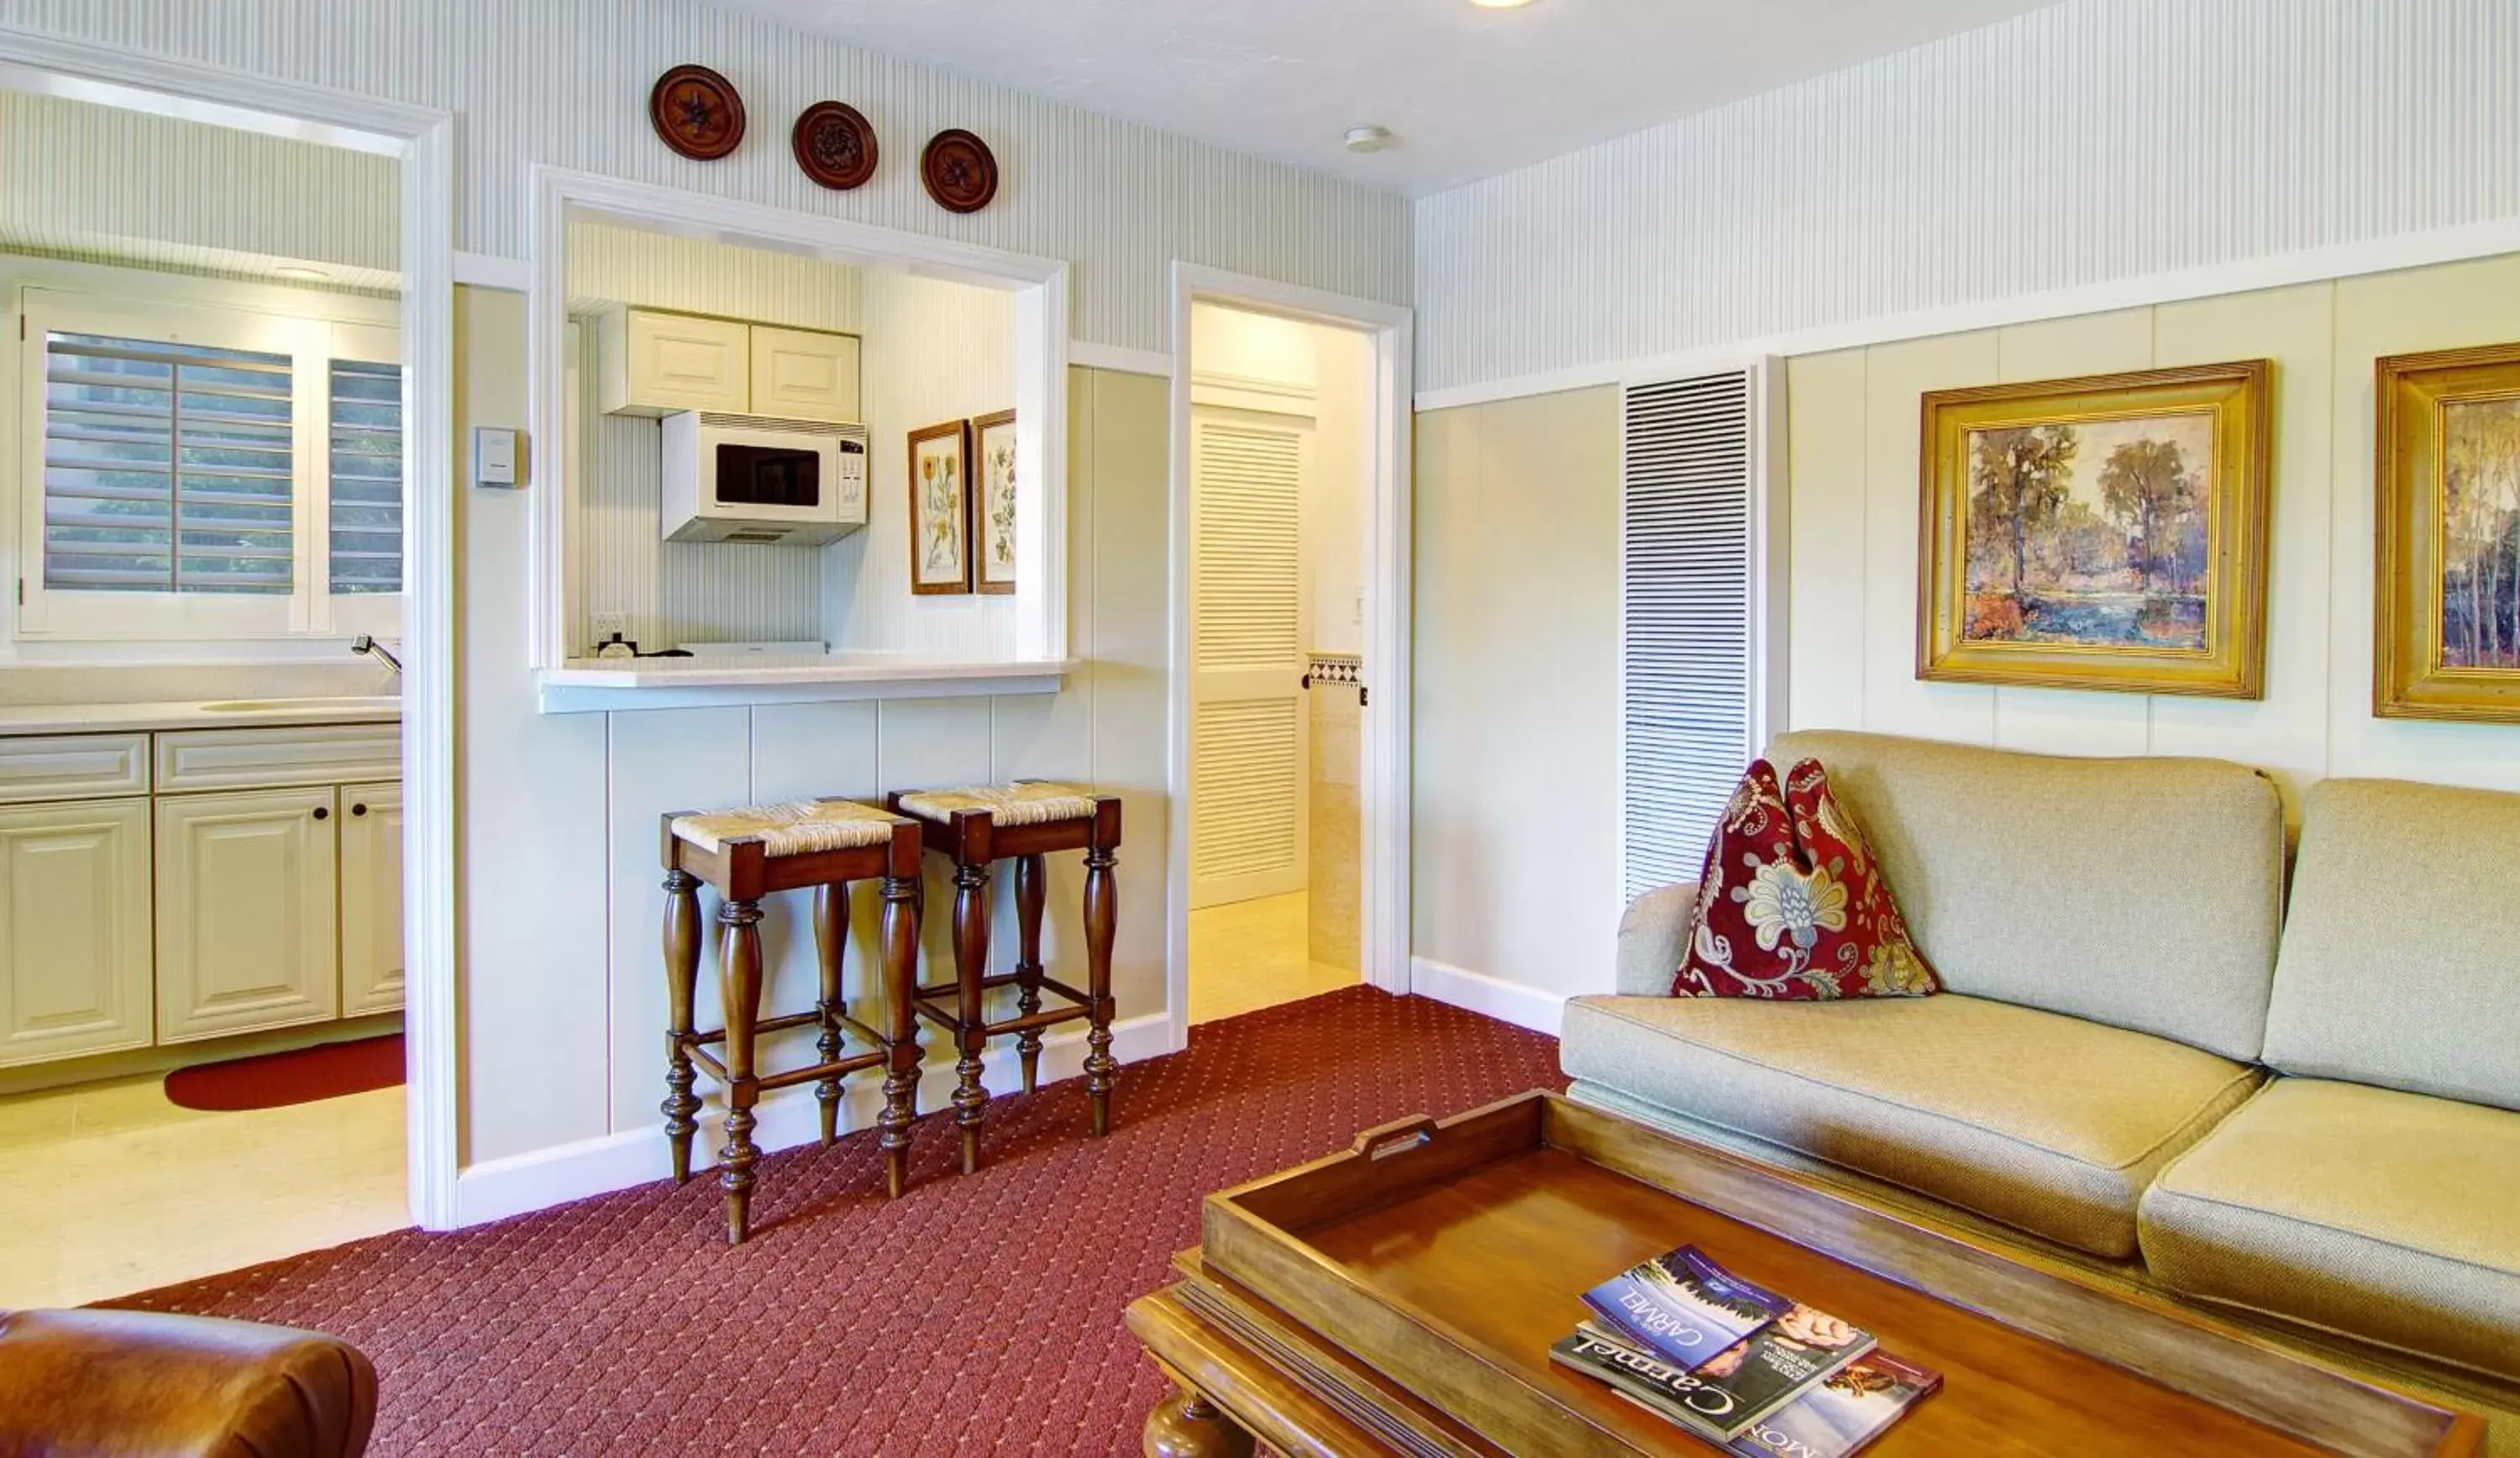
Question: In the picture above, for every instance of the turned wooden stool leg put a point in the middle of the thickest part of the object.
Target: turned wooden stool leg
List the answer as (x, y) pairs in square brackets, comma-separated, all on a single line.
[(1030, 875), (971, 1015), (682, 1106), (740, 987), (1186, 1425), (901, 1044), (831, 949), (1101, 917)]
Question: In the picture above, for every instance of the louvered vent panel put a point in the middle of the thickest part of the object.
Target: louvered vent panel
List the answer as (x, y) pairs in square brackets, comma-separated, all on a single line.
[(1687, 619), (1246, 586), (1243, 788)]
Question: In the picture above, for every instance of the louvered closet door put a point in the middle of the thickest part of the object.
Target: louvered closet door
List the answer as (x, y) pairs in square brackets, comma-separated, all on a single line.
[(1692, 715), (1250, 737)]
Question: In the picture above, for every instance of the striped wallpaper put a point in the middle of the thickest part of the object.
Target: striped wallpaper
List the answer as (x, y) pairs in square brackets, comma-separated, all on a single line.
[(103, 185), (565, 82), (2090, 141)]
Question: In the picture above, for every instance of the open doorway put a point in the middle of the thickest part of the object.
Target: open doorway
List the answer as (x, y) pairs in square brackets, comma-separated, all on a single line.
[(1288, 452), (223, 409)]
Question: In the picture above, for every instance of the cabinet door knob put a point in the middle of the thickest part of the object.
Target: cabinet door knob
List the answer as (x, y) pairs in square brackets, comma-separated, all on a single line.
[(321, 814), (358, 810)]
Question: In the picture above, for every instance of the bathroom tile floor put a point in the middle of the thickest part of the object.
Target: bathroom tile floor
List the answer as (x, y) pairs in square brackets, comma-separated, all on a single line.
[(107, 1188), (1248, 955)]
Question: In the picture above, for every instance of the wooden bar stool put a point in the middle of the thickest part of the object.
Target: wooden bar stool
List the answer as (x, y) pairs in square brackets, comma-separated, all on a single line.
[(747, 854), (974, 828)]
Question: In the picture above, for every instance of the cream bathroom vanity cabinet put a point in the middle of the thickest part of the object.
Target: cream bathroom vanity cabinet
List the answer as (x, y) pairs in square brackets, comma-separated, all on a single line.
[(169, 886)]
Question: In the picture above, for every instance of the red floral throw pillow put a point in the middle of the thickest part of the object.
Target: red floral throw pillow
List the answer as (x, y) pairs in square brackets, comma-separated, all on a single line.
[(1791, 905)]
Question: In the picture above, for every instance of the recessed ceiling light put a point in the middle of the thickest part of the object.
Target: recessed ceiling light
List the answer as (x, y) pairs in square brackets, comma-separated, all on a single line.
[(1500, 4), (1367, 138), (300, 271)]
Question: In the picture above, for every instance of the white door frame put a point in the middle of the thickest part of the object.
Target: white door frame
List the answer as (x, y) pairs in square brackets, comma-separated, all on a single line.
[(1383, 800), (423, 140)]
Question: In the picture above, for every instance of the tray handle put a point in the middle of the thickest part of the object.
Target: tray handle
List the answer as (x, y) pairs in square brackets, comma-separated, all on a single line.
[(1399, 1136)]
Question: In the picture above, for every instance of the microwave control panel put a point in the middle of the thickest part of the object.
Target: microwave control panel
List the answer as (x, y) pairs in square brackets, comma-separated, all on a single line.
[(849, 478)]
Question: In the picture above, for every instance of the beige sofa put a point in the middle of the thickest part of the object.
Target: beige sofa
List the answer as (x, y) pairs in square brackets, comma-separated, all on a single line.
[(2142, 1064)]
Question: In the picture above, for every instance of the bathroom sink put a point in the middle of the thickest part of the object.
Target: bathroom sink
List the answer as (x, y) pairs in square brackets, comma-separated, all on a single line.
[(347, 705)]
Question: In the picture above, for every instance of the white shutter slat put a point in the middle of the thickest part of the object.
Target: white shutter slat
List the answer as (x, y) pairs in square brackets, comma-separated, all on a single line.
[(1687, 640)]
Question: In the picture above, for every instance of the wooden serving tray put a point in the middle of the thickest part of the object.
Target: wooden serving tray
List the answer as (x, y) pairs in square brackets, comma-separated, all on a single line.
[(1419, 1278)]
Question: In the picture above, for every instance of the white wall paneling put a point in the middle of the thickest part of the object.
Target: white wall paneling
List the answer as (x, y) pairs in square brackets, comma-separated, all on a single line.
[(1854, 555), (2145, 137), (641, 267), (564, 83)]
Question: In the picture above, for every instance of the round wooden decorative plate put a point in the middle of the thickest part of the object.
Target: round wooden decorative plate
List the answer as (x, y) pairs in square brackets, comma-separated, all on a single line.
[(697, 113), (958, 170), (834, 146)]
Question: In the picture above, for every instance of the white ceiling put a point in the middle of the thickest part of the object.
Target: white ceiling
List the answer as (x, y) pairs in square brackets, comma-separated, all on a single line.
[(1468, 92)]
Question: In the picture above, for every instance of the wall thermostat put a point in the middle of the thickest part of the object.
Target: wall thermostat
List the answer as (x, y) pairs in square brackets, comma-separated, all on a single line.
[(494, 457)]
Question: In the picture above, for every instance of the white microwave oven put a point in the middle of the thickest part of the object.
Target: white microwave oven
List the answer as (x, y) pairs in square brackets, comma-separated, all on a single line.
[(755, 478)]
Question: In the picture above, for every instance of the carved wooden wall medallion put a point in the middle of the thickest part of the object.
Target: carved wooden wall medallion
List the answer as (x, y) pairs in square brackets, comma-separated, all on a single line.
[(834, 145), (697, 113), (958, 170)]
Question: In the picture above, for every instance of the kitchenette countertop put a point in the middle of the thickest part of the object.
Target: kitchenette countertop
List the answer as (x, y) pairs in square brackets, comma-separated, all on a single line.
[(260, 713)]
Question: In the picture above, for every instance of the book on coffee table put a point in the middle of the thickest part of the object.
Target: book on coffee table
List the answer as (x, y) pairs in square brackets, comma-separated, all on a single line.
[(1683, 1308), (1742, 1383), (1842, 1413)]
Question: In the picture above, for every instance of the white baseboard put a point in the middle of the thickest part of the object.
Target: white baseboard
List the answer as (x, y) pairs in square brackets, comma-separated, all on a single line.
[(1507, 1001), (496, 1190)]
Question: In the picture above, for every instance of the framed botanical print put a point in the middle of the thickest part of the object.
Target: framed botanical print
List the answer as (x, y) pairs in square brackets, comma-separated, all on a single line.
[(2446, 639), (940, 506), (2107, 532), (993, 503)]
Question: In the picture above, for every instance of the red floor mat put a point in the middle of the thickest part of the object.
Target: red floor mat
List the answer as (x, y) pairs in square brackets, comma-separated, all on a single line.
[(301, 1076)]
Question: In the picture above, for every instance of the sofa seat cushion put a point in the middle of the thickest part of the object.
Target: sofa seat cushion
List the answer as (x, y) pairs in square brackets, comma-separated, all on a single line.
[(2376, 1213), (2046, 1122)]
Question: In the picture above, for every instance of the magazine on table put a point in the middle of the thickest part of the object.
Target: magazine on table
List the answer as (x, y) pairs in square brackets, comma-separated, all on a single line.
[(1683, 1308), (1739, 1386), (1846, 1411), (1791, 1381)]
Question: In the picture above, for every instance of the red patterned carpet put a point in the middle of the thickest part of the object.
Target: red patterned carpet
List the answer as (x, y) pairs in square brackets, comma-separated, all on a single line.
[(975, 1314)]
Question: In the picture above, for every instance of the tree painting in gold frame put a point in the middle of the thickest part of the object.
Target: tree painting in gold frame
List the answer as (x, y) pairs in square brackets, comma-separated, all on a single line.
[(2107, 532), (2446, 632)]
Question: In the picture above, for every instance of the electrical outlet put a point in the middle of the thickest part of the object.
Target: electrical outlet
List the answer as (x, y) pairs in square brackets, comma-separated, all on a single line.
[(605, 625)]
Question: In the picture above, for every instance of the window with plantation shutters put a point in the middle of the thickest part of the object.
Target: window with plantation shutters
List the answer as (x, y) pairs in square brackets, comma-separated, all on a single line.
[(194, 471), (169, 467), (365, 536), (1701, 615)]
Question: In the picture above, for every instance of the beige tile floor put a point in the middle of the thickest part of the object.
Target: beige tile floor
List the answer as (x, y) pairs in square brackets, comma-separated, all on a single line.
[(1248, 955), (107, 1189)]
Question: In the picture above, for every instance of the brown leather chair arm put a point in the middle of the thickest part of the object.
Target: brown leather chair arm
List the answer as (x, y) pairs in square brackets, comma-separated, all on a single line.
[(95, 1383)]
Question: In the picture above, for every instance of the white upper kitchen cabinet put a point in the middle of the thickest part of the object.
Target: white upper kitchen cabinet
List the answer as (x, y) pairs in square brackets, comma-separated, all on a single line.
[(653, 364), (801, 375)]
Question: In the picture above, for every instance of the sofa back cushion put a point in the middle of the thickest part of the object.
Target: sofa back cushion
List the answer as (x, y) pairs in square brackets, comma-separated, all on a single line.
[(2146, 894), (2400, 959)]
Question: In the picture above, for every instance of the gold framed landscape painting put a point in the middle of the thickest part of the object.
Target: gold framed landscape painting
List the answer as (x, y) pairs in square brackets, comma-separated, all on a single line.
[(2447, 481), (2107, 532)]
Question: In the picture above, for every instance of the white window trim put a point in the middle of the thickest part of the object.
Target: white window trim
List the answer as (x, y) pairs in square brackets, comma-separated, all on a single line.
[(315, 325)]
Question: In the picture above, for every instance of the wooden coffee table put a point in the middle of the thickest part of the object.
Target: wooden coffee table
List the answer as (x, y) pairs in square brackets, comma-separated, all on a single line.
[(1401, 1298)]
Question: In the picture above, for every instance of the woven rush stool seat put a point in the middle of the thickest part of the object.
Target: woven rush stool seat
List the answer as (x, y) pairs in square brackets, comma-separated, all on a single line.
[(974, 827), (745, 855)]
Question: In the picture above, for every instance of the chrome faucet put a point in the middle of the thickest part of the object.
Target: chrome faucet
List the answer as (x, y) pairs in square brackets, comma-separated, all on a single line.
[(363, 643)]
